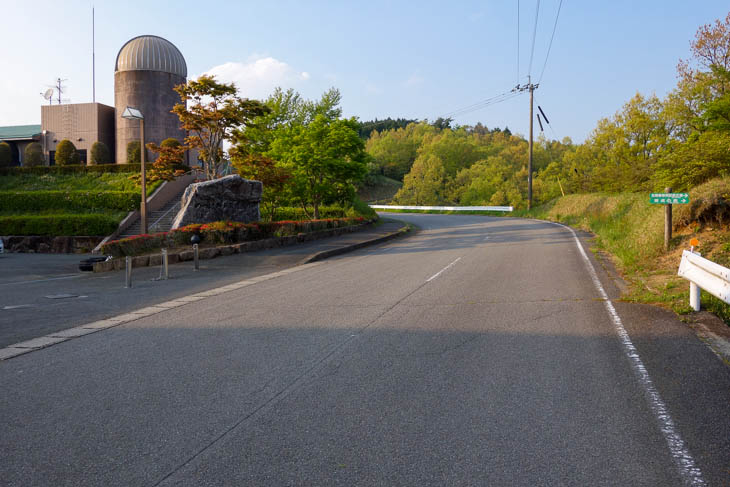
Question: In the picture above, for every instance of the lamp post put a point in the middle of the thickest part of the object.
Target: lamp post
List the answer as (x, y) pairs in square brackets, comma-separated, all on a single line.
[(134, 114)]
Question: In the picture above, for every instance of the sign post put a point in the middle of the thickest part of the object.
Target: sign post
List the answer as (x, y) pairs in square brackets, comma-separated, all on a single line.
[(667, 199)]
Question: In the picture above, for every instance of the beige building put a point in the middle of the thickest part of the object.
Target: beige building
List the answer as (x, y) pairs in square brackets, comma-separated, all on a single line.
[(81, 123)]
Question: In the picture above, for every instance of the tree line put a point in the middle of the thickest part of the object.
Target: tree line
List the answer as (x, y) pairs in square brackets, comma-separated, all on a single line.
[(679, 141)]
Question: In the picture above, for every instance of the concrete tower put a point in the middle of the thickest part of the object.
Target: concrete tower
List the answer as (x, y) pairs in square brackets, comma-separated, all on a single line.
[(146, 71)]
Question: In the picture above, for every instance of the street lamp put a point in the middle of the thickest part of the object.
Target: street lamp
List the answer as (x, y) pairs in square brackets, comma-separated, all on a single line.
[(134, 114)]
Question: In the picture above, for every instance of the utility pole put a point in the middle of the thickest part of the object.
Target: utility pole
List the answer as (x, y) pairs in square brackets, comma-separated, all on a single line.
[(531, 88)]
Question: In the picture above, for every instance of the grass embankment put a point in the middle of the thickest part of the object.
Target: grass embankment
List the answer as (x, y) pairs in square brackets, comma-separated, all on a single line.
[(54, 203), (631, 230), (379, 190)]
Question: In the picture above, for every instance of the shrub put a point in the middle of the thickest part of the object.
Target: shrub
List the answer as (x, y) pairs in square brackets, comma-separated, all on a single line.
[(6, 155), (66, 153), (99, 153), (77, 168), (58, 225), (33, 155), (69, 200), (133, 152), (221, 233)]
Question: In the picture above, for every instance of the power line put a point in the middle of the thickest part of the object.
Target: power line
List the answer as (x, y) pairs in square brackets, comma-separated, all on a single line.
[(555, 25), (483, 104), (534, 35), (518, 41)]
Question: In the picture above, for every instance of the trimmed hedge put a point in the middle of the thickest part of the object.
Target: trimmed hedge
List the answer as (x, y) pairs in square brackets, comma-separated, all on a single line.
[(294, 213), (33, 155), (79, 168), (58, 225), (21, 201), (220, 233)]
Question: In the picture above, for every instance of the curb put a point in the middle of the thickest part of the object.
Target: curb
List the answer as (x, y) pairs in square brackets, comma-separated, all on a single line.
[(325, 254)]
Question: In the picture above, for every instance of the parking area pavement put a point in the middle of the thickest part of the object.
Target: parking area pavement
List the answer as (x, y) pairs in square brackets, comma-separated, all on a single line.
[(46, 293)]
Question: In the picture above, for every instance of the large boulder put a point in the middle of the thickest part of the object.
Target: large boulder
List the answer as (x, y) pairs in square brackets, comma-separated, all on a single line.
[(229, 198)]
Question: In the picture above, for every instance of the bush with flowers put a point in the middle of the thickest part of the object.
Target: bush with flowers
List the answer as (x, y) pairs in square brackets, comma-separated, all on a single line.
[(221, 233)]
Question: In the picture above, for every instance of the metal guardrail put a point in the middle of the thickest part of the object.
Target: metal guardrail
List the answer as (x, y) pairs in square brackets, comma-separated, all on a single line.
[(444, 208), (704, 274)]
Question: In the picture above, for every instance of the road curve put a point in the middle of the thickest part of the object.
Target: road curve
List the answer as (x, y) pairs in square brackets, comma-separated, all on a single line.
[(480, 351)]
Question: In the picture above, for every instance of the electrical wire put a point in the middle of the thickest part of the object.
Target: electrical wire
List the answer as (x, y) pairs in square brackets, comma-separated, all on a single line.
[(483, 104), (518, 41), (555, 25), (534, 35)]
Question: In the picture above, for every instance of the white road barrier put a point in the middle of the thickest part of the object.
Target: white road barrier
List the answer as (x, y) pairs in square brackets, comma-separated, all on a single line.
[(443, 208), (704, 274)]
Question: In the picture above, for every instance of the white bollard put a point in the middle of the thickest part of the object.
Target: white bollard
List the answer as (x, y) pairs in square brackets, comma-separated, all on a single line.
[(127, 272), (694, 296), (166, 273)]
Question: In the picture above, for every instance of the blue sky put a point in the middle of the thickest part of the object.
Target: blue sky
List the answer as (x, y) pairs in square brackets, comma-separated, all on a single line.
[(400, 59)]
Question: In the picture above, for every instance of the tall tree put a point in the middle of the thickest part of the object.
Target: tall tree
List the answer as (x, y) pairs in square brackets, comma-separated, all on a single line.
[(325, 157), (209, 112)]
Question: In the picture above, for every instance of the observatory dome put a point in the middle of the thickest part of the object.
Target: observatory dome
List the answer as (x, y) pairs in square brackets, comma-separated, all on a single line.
[(151, 53)]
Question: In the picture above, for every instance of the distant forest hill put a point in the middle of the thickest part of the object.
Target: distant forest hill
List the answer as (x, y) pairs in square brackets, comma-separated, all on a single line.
[(367, 128)]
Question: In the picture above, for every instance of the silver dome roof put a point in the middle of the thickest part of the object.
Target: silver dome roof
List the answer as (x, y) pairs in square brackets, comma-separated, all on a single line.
[(151, 53)]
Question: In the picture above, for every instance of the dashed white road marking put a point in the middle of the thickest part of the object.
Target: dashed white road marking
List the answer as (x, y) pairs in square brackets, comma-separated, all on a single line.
[(442, 270), (680, 454)]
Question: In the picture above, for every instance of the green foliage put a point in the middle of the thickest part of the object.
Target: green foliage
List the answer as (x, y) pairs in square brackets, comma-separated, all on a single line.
[(680, 142), (209, 112), (367, 129), (74, 169), (6, 155), (33, 155), (66, 153), (100, 153), (321, 152), (22, 201), (134, 155), (58, 224)]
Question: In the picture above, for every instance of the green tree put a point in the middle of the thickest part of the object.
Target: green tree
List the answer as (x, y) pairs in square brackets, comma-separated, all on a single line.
[(99, 153), (33, 155), (273, 177), (134, 156), (326, 158), (66, 153), (209, 112), (6, 155)]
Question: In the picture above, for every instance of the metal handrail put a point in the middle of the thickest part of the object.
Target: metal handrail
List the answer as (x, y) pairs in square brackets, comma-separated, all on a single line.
[(155, 225)]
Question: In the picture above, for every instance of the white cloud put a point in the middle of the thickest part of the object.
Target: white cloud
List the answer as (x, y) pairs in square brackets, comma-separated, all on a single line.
[(413, 80), (258, 77), (373, 89)]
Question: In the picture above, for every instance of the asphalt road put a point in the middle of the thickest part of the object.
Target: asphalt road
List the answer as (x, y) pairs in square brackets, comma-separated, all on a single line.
[(480, 351)]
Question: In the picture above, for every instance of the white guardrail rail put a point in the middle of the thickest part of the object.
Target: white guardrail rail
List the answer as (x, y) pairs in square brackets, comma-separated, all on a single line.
[(704, 274), (443, 208)]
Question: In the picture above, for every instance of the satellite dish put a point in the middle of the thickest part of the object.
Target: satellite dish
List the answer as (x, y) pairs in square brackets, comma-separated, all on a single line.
[(48, 94)]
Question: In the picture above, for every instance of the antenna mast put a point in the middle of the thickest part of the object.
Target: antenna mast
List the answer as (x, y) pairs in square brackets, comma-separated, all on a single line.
[(93, 58)]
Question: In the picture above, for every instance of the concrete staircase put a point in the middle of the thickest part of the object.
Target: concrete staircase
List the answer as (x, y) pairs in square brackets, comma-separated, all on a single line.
[(157, 221)]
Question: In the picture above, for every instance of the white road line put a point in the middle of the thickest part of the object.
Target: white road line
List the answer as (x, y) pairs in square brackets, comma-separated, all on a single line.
[(40, 280), (677, 448), (442, 270)]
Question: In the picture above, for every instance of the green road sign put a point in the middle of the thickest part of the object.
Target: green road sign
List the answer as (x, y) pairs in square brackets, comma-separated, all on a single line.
[(669, 198)]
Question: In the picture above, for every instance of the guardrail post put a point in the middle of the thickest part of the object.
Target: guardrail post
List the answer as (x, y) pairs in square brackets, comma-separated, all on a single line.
[(196, 265), (128, 272), (165, 271), (694, 296)]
